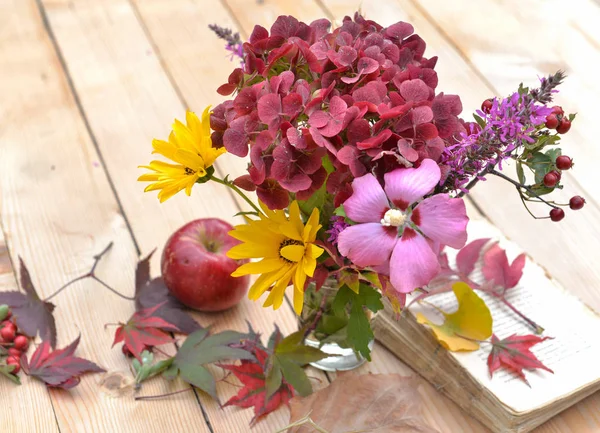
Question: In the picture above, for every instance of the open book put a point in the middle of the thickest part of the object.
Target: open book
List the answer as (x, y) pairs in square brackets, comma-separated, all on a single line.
[(505, 403)]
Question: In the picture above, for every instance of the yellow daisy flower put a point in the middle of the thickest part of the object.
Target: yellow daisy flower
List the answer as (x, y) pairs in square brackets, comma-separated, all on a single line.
[(287, 249), (190, 147)]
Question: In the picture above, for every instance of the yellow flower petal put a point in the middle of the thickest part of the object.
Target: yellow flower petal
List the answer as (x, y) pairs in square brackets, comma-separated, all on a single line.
[(292, 252), (264, 266)]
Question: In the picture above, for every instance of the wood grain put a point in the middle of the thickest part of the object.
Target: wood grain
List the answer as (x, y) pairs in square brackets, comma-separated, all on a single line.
[(57, 211), (128, 100)]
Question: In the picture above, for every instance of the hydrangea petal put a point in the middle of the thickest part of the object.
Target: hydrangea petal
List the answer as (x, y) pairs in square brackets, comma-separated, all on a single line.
[(367, 244), (368, 202), (405, 186), (413, 263), (443, 219)]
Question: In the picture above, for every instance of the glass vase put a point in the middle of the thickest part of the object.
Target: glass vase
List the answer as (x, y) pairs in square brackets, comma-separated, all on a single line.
[(327, 331)]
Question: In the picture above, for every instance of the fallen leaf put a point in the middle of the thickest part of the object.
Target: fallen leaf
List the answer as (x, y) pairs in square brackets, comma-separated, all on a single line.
[(251, 373), (202, 348), (471, 321), (497, 270), (152, 292), (382, 403), (31, 314), (469, 255), (117, 384), (513, 353), (59, 368), (144, 329), (147, 368)]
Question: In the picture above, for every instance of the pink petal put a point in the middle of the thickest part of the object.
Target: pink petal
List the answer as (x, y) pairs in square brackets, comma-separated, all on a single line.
[(443, 219), (413, 263), (367, 244), (405, 186), (368, 202)]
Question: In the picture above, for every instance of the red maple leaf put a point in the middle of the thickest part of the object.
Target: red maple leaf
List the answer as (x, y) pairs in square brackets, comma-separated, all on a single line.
[(144, 329), (252, 375), (59, 368), (513, 353)]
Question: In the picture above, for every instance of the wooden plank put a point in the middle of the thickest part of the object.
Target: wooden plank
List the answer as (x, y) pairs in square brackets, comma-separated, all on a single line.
[(19, 402), (129, 100), (578, 273), (57, 211)]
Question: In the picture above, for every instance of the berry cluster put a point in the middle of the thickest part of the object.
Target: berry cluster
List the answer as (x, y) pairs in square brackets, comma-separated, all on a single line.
[(12, 343), (558, 121)]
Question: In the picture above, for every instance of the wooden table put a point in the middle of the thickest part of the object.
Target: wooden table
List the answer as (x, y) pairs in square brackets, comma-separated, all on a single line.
[(86, 84)]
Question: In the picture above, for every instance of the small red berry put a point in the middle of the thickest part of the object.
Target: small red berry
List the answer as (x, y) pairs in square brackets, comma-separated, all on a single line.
[(551, 179), (551, 121), (21, 342), (8, 334), (486, 106), (11, 360), (14, 352), (563, 162), (564, 126), (557, 214), (576, 202), (557, 109)]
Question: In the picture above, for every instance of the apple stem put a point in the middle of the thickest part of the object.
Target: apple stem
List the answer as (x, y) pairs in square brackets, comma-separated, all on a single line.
[(92, 274), (238, 192)]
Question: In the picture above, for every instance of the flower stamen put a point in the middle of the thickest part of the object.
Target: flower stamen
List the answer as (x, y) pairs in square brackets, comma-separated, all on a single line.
[(393, 217)]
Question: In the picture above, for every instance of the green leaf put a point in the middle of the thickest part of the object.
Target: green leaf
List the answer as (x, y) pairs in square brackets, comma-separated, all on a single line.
[(553, 154), (171, 373), (373, 278), (330, 324), (147, 369), (340, 211), (293, 349), (201, 348), (273, 379), (479, 121), (521, 173), (359, 331), (244, 213), (6, 370), (3, 312), (541, 164), (296, 377), (572, 117)]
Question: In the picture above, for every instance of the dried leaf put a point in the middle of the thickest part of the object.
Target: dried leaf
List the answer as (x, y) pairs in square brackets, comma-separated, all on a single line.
[(144, 329), (472, 321), (382, 403), (32, 315), (497, 270), (513, 353), (59, 368), (152, 292)]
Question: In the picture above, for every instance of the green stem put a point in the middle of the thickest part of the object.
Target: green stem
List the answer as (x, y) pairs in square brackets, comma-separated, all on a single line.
[(238, 191)]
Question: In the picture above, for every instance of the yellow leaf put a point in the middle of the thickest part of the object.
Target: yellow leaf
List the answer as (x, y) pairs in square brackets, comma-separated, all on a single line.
[(472, 320)]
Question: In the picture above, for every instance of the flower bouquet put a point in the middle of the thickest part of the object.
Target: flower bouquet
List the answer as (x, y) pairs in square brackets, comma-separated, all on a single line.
[(359, 164)]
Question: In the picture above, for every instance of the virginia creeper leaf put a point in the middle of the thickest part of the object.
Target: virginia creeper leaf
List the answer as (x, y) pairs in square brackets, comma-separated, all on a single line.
[(147, 368), (144, 329), (513, 353), (497, 270), (58, 368), (152, 292), (202, 348), (471, 320), (32, 315)]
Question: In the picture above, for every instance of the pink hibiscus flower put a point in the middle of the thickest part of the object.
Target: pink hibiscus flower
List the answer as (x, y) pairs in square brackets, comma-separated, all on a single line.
[(394, 235)]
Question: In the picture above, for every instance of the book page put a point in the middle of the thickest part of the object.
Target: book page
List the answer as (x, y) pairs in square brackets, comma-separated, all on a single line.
[(573, 353)]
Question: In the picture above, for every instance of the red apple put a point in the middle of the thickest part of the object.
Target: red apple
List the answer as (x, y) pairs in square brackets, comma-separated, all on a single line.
[(196, 269)]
